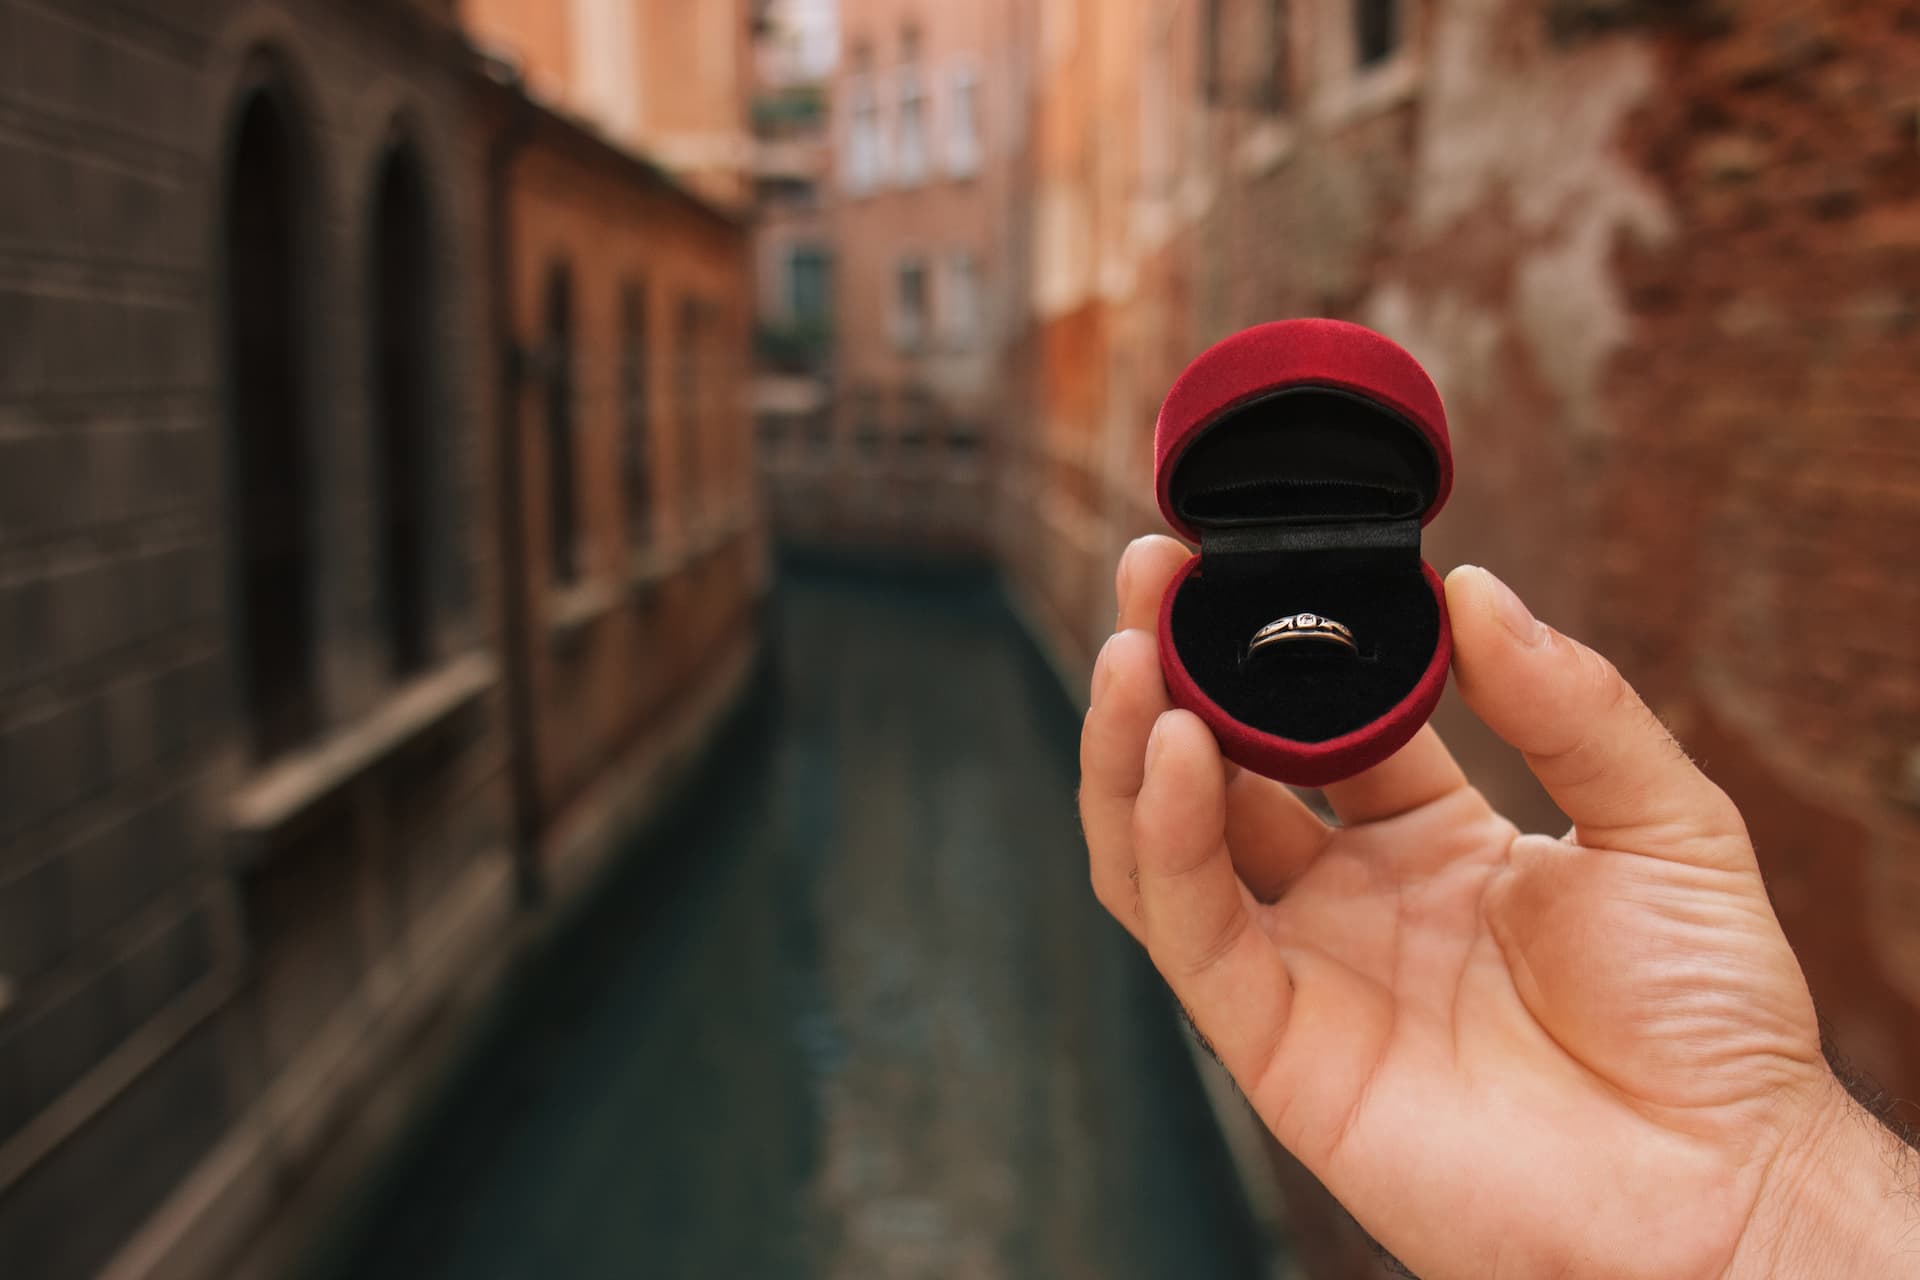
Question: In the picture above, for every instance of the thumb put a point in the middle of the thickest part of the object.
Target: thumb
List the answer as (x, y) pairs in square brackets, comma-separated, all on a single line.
[(1602, 755)]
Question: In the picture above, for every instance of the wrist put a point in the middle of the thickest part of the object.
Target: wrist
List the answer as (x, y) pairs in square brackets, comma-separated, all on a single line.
[(1842, 1199)]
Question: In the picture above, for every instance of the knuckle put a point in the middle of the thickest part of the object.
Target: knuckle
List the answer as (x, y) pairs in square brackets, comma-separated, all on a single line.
[(1608, 689)]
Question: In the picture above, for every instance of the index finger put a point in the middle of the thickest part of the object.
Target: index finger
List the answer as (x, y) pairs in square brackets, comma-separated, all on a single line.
[(1146, 567)]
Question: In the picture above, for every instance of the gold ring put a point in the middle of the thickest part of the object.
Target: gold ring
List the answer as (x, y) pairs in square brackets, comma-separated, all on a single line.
[(1307, 630)]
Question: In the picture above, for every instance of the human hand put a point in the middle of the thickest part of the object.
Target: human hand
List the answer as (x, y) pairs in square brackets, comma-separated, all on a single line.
[(1507, 1055)]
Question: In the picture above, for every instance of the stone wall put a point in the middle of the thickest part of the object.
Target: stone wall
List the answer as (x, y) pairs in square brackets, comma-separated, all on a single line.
[(215, 951), (178, 920)]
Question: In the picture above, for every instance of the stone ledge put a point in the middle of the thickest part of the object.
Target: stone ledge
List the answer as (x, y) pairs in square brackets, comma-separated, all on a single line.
[(647, 568), (572, 611), (283, 792), (123, 1065)]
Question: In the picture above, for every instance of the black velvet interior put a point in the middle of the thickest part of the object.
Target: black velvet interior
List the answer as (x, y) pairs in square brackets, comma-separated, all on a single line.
[(1295, 494), (1304, 696), (1308, 454)]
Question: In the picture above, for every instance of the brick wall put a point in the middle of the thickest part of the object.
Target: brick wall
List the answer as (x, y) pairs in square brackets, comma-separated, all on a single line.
[(211, 956), (1663, 267), (164, 957)]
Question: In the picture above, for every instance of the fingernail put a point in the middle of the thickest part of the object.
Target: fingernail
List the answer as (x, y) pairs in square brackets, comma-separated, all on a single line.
[(1100, 675), (1120, 587), (1513, 614)]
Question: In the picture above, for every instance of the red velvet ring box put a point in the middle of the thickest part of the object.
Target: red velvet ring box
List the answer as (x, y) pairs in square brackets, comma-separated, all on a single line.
[(1304, 457)]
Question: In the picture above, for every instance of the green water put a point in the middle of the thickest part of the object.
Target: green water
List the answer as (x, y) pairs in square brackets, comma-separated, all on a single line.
[(848, 1010)]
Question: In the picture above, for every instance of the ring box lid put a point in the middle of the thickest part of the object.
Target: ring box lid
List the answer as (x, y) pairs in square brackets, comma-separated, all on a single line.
[(1301, 422)]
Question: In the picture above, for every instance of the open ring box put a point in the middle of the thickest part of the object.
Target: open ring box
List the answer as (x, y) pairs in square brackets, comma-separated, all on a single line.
[(1304, 457)]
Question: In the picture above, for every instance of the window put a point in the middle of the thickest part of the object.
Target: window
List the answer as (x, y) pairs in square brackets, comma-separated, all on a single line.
[(635, 416), (687, 402), (1275, 90), (961, 297), (910, 305), (911, 152), (563, 517), (866, 162), (402, 340), (265, 228), (807, 288), (1376, 30), (963, 124)]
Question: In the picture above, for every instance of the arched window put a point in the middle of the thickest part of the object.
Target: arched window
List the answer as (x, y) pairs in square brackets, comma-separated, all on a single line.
[(562, 487), (267, 204), (689, 396), (636, 418), (401, 293)]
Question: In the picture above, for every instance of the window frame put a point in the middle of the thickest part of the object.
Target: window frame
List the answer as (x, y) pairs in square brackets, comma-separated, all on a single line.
[(912, 159)]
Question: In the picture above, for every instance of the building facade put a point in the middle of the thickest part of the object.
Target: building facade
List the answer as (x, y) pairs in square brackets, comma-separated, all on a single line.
[(929, 134), (636, 558), (794, 254), (1661, 261), (296, 729)]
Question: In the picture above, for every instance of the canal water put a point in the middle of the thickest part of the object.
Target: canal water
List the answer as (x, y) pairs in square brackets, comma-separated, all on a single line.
[(848, 1010)]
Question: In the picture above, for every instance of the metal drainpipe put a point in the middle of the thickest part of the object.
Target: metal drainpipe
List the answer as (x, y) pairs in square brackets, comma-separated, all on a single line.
[(522, 737)]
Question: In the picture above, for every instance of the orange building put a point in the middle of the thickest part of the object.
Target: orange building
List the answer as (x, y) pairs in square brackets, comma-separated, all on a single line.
[(628, 484), (929, 231), (633, 548), (1114, 208), (794, 254)]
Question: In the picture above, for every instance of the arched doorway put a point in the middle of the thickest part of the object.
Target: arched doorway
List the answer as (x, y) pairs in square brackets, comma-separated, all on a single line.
[(401, 296), (265, 220)]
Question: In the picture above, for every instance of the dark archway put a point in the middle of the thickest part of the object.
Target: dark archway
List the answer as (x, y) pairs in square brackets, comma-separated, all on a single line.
[(265, 233), (562, 496), (401, 295)]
